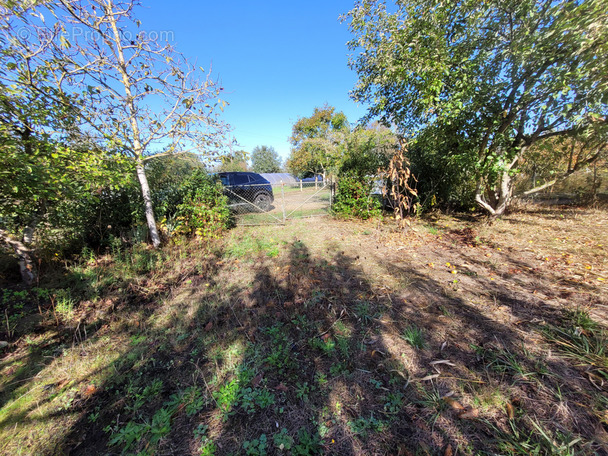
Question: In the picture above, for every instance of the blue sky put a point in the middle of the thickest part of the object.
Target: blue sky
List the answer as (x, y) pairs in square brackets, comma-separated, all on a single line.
[(277, 60)]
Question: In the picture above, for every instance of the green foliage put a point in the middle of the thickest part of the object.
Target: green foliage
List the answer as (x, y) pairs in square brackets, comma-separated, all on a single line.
[(535, 439), (226, 396), (50, 182), (235, 162), (308, 444), (145, 434), (282, 440), (364, 312), (317, 142), (280, 357), (265, 159), (580, 338), (394, 402), (303, 391), (256, 447), (444, 179), (483, 81), (354, 198), (362, 426), (368, 151), (414, 336), (50, 87), (167, 175), (203, 211), (255, 399)]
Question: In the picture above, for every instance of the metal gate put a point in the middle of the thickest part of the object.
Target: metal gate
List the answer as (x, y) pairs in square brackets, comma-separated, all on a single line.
[(277, 203)]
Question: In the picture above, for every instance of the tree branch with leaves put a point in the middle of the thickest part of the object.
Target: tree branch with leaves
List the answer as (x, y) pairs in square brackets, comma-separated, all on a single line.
[(499, 76), (135, 93)]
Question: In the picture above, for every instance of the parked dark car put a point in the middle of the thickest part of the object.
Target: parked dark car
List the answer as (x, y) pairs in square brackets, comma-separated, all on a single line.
[(249, 190)]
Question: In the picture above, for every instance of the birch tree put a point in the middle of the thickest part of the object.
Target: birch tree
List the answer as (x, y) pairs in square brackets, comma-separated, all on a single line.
[(136, 92)]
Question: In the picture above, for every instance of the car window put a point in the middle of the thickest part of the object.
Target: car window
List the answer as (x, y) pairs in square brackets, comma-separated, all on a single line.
[(240, 179), (225, 180)]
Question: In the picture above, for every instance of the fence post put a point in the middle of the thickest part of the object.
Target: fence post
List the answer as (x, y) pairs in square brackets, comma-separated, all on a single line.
[(300, 185), (283, 199)]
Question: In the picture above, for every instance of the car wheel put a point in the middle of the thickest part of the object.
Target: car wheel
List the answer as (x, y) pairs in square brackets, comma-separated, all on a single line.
[(262, 202)]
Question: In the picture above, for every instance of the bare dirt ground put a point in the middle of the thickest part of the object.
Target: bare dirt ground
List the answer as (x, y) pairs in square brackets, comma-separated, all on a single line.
[(323, 336)]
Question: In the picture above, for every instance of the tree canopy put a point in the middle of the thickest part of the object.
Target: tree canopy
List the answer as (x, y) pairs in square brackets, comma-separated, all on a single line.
[(485, 80), (234, 161), (317, 142), (265, 159)]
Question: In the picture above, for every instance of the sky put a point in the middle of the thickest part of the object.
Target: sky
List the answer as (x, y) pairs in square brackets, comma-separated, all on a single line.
[(277, 60)]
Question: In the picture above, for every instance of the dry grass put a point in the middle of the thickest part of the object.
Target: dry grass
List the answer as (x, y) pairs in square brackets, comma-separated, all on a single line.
[(350, 337)]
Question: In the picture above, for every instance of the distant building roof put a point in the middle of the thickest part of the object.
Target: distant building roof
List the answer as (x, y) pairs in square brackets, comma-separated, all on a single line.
[(277, 178)]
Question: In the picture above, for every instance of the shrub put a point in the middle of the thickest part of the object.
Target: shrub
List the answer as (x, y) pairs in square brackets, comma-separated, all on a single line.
[(203, 211), (354, 198)]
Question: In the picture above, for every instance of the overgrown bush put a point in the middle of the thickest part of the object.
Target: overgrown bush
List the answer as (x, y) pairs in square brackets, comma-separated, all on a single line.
[(203, 211), (444, 179), (354, 198)]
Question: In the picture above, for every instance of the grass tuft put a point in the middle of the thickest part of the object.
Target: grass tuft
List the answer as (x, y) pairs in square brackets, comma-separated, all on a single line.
[(414, 336)]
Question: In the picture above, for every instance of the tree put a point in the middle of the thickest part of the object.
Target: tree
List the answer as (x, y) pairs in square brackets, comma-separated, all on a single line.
[(45, 171), (496, 76), (555, 159), (265, 159), (136, 94), (235, 162), (317, 142), (368, 151)]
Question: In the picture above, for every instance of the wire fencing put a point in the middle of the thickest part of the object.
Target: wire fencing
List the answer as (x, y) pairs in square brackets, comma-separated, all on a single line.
[(264, 204)]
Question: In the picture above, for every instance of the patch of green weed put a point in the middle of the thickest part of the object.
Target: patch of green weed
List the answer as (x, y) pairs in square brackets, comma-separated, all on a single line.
[(414, 336)]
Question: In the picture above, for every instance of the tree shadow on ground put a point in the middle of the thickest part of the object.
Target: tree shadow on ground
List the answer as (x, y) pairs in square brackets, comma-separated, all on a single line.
[(307, 351)]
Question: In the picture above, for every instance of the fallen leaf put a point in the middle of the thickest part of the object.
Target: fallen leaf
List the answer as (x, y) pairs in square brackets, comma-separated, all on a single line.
[(468, 414), (448, 451), (429, 377), (453, 403), (595, 380), (442, 361), (510, 411), (282, 388), (376, 354), (208, 326), (91, 389), (256, 380)]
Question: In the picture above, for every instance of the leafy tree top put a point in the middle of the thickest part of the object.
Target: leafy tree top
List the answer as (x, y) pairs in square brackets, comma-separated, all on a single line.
[(265, 159), (512, 62), (489, 78), (317, 141)]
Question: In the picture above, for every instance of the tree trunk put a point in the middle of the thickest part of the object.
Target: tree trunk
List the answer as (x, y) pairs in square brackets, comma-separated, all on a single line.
[(23, 254), (504, 196), (500, 199), (145, 191)]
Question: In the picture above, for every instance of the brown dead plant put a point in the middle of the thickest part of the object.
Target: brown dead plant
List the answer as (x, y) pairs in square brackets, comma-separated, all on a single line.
[(398, 188)]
